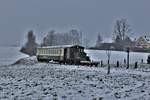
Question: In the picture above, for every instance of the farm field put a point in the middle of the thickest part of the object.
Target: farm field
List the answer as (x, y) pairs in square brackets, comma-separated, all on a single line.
[(41, 81), (98, 55), (8, 55), (31, 80)]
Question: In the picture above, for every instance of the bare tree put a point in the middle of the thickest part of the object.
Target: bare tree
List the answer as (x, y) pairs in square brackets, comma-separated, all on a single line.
[(48, 40), (122, 29), (86, 42), (99, 40), (76, 36), (67, 38)]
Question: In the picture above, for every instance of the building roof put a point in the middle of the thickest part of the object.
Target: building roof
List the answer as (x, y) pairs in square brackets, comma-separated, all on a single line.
[(62, 46), (144, 38)]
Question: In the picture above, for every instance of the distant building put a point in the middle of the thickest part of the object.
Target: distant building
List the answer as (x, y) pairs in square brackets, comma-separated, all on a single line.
[(143, 42)]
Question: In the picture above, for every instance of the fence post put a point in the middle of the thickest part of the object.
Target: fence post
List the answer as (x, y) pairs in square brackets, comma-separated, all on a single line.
[(141, 61), (101, 63), (117, 64), (108, 72), (135, 66), (124, 61), (128, 51)]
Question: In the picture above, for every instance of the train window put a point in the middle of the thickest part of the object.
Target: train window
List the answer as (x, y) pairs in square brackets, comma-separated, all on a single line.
[(50, 51), (46, 51), (57, 51), (42, 51), (81, 50)]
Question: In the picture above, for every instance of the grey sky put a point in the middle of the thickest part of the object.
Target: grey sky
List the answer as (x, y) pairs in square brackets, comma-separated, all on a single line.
[(90, 16)]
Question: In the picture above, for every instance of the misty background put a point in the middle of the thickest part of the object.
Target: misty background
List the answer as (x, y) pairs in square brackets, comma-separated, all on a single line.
[(17, 17)]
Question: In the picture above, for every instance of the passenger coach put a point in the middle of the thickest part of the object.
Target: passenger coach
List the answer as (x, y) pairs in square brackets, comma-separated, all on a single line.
[(71, 54)]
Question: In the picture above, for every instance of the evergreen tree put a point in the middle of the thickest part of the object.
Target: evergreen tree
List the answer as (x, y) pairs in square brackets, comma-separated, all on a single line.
[(31, 45)]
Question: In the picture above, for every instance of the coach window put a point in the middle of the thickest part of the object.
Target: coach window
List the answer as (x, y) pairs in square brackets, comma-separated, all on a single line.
[(57, 51), (50, 51), (42, 51)]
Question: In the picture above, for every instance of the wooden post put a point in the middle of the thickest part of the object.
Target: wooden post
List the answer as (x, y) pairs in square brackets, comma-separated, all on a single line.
[(117, 64), (108, 72), (135, 66), (101, 63), (141, 61), (128, 50), (108, 53), (124, 62)]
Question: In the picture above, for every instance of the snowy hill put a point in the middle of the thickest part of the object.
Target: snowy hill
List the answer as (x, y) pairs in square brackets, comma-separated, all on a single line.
[(98, 55), (8, 55)]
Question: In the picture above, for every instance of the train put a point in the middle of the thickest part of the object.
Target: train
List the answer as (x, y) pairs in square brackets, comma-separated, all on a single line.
[(66, 54)]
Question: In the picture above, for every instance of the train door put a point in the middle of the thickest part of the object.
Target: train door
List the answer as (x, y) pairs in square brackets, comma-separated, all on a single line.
[(65, 55)]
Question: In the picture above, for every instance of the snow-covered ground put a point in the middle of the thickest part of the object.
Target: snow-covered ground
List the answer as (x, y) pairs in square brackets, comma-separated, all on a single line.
[(31, 80), (9, 55), (42, 81), (99, 55)]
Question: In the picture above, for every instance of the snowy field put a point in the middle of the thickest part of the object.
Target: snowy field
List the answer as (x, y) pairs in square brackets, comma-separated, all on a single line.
[(43, 81), (99, 55), (31, 80), (9, 55)]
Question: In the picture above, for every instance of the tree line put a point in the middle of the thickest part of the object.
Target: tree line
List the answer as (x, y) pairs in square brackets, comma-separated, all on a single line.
[(52, 38), (122, 32)]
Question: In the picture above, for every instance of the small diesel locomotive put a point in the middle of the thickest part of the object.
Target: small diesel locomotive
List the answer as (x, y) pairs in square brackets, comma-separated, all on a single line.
[(67, 54)]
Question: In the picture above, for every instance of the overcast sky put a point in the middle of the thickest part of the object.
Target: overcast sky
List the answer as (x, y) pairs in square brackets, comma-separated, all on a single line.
[(90, 16)]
